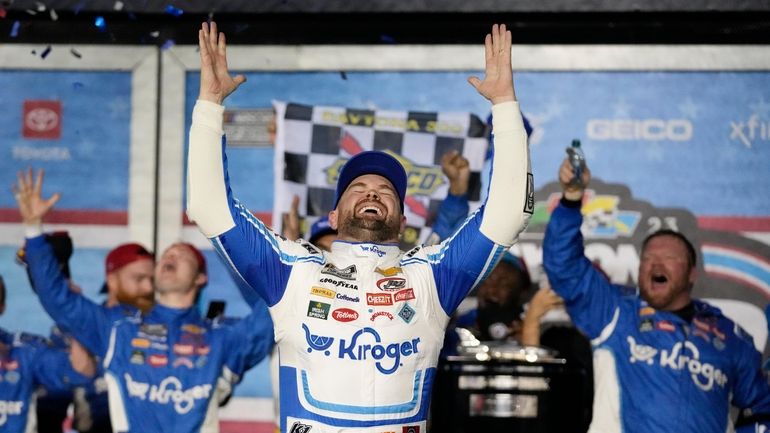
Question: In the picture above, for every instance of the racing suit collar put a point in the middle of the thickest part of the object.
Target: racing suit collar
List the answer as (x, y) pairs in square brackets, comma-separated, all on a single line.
[(168, 313), (366, 249)]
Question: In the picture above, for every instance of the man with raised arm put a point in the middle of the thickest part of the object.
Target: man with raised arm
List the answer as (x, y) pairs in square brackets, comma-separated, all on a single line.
[(663, 360), (167, 368), (359, 328)]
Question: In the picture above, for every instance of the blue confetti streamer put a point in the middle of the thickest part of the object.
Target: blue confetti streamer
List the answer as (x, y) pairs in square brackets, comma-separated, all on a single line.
[(46, 52), (15, 29), (168, 44), (174, 11), (100, 23)]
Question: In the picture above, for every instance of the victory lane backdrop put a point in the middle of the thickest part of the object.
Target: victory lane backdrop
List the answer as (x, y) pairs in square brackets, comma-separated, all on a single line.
[(314, 142)]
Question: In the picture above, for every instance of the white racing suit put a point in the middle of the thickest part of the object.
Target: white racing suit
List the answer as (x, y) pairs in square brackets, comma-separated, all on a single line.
[(359, 328)]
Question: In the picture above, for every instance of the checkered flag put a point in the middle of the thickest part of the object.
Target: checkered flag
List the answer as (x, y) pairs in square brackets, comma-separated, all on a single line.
[(314, 142)]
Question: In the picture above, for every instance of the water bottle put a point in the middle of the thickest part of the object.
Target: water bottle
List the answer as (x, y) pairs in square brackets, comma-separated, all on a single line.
[(578, 161)]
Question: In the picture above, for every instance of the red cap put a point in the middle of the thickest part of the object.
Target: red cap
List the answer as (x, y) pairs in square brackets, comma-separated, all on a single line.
[(198, 256), (125, 254)]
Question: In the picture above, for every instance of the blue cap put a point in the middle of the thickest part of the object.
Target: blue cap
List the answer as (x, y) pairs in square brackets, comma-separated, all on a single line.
[(372, 162), (321, 228)]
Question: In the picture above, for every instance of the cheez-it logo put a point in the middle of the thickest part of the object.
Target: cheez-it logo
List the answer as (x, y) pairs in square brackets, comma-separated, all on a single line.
[(377, 299)]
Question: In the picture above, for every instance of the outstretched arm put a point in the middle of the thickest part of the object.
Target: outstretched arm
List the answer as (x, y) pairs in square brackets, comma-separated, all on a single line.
[(465, 259), (260, 259), (88, 322)]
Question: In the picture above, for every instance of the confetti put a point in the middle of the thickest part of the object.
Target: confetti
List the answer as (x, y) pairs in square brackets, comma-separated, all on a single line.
[(78, 7), (2, 12), (100, 23), (168, 44), (15, 29), (343, 75), (31, 12), (174, 11), (240, 28), (40, 7), (75, 53), (54, 15), (46, 52), (388, 39), (155, 34), (118, 5)]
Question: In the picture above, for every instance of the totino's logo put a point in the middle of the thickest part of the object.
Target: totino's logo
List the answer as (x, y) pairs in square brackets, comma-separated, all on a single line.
[(344, 315), (9, 408), (640, 129), (377, 299), (364, 344), (681, 357)]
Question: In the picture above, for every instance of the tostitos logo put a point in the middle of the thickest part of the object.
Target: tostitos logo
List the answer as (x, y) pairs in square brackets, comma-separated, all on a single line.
[(344, 315), (364, 344)]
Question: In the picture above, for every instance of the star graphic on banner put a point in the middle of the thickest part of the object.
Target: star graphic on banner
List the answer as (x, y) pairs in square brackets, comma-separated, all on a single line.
[(761, 108), (689, 109), (622, 109)]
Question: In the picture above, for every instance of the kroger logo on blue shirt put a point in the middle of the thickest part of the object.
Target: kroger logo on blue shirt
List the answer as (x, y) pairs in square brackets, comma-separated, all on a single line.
[(387, 356)]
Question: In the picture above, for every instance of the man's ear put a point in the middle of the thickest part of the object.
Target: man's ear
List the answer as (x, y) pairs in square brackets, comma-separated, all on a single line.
[(403, 224), (201, 280), (333, 219)]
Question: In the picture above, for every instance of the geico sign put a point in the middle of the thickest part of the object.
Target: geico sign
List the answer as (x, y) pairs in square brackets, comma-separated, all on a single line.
[(639, 129)]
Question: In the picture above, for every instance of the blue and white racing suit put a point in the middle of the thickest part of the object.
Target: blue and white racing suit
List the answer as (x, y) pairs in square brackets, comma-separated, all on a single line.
[(165, 370), (359, 328), (655, 372), (26, 365)]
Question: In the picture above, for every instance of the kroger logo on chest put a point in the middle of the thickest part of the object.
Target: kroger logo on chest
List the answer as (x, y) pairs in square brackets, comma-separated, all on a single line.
[(364, 345)]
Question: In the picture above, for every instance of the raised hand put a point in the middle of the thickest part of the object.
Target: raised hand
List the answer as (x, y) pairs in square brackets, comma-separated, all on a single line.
[(32, 206), (566, 173), (497, 85), (216, 81), (457, 170)]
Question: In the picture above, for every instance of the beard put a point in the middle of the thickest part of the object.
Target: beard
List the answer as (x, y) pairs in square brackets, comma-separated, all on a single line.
[(368, 230), (144, 303), (661, 301)]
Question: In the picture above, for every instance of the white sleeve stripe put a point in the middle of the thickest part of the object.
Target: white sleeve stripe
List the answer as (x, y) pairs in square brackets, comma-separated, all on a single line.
[(608, 330)]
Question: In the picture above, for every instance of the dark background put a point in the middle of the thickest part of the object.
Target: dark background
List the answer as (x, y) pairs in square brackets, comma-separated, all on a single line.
[(390, 22)]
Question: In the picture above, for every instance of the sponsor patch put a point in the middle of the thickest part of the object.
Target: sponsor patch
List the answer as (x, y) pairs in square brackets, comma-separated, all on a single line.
[(141, 343), (157, 360), (529, 200), (665, 325), (12, 376), (348, 273), (318, 310), (298, 427), (646, 325), (388, 272), (344, 297), (378, 299), (344, 315), (202, 350), (155, 329), (719, 344), (338, 283), (403, 295), (705, 327), (646, 311), (391, 283), (184, 349), (381, 314), (320, 291), (411, 428), (183, 361), (406, 313), (137, 357), (193, 329)]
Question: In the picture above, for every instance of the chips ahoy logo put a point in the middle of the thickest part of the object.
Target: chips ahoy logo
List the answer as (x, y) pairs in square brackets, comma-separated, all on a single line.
[(364, 344)]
